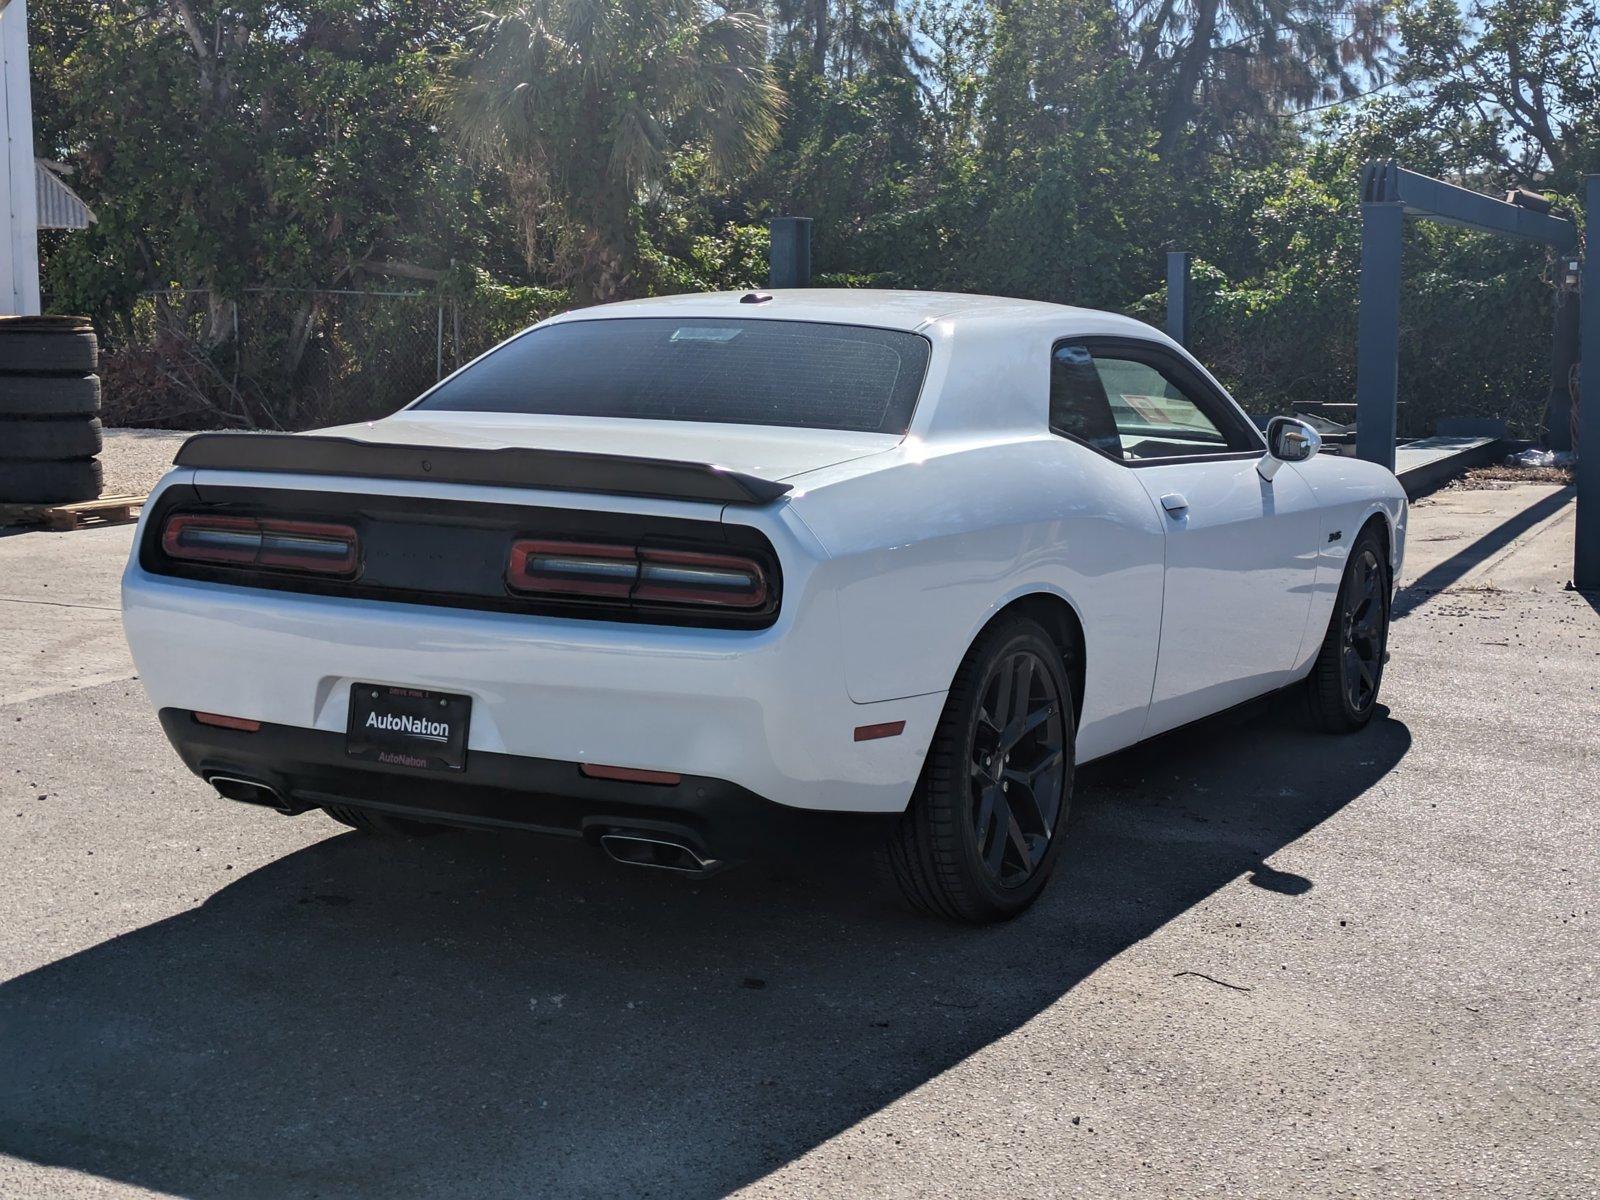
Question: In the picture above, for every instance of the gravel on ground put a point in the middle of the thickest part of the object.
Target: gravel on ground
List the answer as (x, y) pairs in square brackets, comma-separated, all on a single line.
[(136, 459)]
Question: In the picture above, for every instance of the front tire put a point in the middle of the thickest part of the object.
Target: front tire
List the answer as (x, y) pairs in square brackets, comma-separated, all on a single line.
[(1342, 689), (980, 837)]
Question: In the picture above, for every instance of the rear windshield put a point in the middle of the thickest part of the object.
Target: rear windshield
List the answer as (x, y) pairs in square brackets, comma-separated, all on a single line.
[(740, 372)]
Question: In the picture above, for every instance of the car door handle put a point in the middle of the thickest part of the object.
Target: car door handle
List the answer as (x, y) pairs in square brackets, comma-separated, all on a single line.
[(1174, 504)]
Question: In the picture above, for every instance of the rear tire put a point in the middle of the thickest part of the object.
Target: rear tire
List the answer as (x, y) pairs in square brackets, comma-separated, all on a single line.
[(981, 835), (1342, 689), (365, 820), (49, 482)]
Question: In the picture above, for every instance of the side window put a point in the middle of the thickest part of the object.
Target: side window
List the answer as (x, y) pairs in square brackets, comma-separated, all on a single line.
[(1079, 407), (1154, 417)]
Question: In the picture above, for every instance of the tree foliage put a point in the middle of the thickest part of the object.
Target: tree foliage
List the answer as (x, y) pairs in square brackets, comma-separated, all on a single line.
[(585, 102), (1054, 149)]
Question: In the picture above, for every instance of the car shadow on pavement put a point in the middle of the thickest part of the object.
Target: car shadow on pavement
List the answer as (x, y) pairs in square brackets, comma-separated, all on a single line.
[(1480, 550), (478, 1016)]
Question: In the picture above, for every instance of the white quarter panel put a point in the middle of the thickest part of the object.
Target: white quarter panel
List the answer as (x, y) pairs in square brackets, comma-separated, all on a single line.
[(923, 552), (1241, 565)]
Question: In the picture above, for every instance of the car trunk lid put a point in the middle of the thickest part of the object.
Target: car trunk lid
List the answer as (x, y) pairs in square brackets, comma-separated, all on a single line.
[(766, 452)]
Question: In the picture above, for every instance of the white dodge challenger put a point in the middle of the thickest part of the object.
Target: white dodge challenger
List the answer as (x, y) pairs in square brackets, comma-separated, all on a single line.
[(699, 576)]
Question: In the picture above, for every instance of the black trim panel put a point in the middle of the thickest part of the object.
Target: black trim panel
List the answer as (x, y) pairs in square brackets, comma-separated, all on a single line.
[(452, 553), (1231, 456), (556, 470), (506, 791), (1137, 464)]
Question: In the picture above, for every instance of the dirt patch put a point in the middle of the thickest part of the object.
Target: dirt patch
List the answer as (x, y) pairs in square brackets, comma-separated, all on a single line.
[(1501, 476)]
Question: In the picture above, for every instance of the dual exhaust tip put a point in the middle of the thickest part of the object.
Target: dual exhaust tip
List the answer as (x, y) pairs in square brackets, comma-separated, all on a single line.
[(253, 791), (658, 851)]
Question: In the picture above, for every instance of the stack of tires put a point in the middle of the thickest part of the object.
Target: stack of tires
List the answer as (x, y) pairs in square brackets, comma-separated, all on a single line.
[(49, 410)]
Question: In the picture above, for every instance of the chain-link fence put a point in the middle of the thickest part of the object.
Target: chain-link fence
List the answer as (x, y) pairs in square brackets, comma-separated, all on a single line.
[(294, 359)]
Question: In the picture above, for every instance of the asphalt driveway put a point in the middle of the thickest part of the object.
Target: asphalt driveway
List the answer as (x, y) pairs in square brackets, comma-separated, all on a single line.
[(1273, 963)]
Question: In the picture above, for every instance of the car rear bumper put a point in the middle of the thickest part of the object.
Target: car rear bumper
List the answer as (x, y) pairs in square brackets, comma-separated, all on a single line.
[(765, 710), (307, 768)]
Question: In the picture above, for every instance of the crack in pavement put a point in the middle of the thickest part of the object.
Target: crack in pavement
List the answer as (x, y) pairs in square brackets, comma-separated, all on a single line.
[(59, 604)]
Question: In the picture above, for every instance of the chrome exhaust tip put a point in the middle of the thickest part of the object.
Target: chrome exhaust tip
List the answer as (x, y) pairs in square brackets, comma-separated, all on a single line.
[(252, 791), (645, 850)]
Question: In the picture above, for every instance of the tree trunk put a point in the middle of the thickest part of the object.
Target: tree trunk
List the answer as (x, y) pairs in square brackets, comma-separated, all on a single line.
[(221, 320), (602, 274), (606, 252), (1191, 64), (300, 332), (819, 36), (214, 78)]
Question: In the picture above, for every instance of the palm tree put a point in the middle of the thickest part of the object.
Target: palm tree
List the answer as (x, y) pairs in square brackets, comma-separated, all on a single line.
[(848, 37), (1253, 58), (584, 103)]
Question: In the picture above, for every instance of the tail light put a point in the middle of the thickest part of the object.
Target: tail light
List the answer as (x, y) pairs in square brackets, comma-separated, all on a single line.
[(322, 549), (573, 568), (643, 574)]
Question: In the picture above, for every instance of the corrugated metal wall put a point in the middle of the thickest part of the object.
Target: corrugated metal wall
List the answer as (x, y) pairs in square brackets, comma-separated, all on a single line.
[(59, 206)]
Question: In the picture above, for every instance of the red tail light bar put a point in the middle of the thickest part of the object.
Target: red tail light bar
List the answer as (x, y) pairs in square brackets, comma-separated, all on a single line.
[(322, 549), (645, 574)]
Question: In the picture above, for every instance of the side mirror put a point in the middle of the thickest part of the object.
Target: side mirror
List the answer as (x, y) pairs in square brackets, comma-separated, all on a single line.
[(1289, 439)]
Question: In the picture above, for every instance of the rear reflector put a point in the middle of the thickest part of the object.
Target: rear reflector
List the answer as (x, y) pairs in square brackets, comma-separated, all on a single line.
[(319, 548), (243, 724), (868, 733), (628, 774), (644, 574)]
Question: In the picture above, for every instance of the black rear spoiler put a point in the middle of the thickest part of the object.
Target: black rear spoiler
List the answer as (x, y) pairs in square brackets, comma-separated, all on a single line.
[(558, 470)]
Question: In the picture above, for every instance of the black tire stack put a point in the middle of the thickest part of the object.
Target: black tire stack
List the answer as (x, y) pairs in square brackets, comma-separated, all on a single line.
[(49, 410)]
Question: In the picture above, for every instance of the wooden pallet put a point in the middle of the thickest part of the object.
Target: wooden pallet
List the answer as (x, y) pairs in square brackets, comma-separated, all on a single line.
[(108, 510)]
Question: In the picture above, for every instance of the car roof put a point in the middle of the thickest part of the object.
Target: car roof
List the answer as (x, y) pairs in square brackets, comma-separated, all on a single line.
[(882, 308), (989, 374)]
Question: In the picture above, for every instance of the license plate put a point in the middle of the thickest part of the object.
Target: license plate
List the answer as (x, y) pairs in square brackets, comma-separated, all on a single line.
[(408, 727)]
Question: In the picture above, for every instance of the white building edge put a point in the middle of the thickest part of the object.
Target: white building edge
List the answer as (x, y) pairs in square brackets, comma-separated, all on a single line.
[(32, 192)]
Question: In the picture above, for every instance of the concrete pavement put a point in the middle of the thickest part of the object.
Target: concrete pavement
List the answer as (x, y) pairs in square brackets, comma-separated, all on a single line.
[(60, 615), (1273, 964)]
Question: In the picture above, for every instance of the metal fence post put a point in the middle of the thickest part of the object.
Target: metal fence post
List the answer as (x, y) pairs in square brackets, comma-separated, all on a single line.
[(438, 346), (1378, 331), (1586, 534), (455, 336), (1563, 357), (1179, 277), (790, 257)]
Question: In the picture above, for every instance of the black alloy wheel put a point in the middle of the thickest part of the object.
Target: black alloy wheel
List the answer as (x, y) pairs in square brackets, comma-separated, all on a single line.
[(1342, 689), (1017, 761), (1361, 639), (983, 831)]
